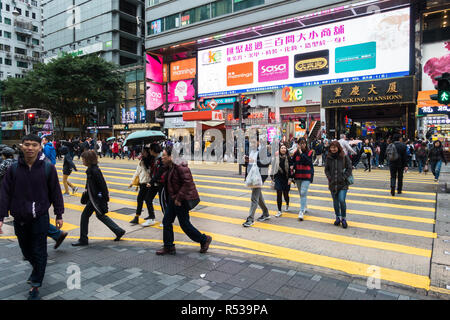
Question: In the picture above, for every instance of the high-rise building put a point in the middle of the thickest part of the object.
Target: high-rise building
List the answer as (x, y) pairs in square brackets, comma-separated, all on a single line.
[(20, 37), (109, 28)]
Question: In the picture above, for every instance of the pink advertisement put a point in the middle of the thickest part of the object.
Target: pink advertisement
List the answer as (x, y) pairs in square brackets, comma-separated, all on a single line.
[(154, 68), (435, 62), (176, 107), (180, 91), (273, 69), (154, 95)]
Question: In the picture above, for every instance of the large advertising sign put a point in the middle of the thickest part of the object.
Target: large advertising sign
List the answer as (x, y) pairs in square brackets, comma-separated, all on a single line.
[(366, 48), (182, 90), (12, 125), (183, 69), (435, 62), (154, 68), (154, 95), (130, 116), (177, 107)]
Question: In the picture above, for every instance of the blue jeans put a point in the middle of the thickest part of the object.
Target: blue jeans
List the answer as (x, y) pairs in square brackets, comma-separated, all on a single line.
[(53, 232), (303, 186), (340, 208), (375, 159), (436, 168), (421, 162)]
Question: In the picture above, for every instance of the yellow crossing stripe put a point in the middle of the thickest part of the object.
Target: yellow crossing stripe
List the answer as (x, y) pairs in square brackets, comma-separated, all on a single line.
[(357, 212), (296, 231)]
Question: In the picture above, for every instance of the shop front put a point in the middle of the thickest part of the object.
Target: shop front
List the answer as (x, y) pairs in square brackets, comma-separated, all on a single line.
[(299, 109), (372, 108), (433, 118)]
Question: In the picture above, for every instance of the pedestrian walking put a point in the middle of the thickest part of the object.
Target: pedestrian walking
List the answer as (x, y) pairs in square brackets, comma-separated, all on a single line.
[(28, 197), (338, 170), (303, 173), (49, 150), (365, 155), (182, 197), (142, 177), (96, 198), (8, 160), (115, 149), (281, 174), (398, 162), (68, 166), (383, 147), (436, 157), (346, 146), (253, 162), (422, 156)]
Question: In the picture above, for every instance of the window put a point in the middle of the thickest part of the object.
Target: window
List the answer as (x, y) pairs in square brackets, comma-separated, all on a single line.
[(128, 45), (155, 26), (33, 15), (153, 2), (221, 7), (1, 60), (22, 64), (20, 51), (7, 48), (35, 41), (21, 38), (8, 62), (1, 74), (196, 15), (171, 22), (7, 7), (245, 4), (35, 29), (8, 21), (19, 10), (8, 34), (27, 13), (35, 54)]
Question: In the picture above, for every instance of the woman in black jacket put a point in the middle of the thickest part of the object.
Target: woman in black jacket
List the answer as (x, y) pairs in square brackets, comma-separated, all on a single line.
[(281, 175), (68, 166), (338, 169), (96, 198), (436, 157)]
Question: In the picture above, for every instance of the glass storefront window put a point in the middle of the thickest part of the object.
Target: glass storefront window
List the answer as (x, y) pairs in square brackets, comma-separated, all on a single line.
[(171, 22), (131, 90), (245, 4), (196, 15), (221, 7)]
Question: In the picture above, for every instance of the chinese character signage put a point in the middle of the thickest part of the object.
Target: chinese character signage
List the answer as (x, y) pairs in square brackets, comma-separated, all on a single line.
[(366, 93), (423, 111), (332, 53)]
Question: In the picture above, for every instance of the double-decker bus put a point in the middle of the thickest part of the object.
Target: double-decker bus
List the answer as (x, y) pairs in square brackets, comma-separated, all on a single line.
[(18, 123)]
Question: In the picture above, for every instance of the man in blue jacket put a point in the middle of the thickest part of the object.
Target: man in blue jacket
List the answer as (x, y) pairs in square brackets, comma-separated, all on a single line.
[(49, 150), (28, 196)]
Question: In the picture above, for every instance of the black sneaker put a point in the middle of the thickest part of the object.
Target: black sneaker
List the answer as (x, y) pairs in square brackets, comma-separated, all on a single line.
[(135, 220), (248, 223), (33, 294), (344, 224), (60, 240), (118, 236), (337, 222), (263, 218), (393, 192)]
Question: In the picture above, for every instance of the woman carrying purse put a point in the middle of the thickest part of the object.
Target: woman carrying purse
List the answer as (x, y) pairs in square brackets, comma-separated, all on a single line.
[(282, 166), (96, 198)]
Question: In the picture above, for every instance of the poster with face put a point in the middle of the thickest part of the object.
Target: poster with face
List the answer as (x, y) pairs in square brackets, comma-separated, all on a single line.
[(177, 107), (435, 62), (182, 90)]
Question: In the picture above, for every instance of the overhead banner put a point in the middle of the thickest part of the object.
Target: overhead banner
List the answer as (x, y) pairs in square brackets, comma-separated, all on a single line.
[(333, 53)]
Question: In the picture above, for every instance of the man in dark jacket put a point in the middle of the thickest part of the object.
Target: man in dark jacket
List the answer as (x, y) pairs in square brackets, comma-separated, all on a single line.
[(28, 197), (399, 165)]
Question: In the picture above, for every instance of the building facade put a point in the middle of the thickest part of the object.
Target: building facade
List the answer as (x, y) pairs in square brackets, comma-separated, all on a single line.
[(20, 37)]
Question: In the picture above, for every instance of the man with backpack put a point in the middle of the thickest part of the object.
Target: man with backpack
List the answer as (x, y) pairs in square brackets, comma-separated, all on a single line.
[(28, 198), (396, 153)]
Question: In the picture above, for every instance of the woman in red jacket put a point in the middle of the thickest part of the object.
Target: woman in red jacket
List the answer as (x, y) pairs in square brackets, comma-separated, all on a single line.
[(115, 149), (181, 190)]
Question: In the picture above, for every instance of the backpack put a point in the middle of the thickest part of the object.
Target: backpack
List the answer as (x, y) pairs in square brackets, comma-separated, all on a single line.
[(421, 152), (392, 153)]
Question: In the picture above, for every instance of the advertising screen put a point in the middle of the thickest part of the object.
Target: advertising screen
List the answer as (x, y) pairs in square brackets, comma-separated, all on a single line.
[(154, 95), (183, 69), (186, 106), (131, 115), (182, 90), (154, 68), (435, 62), (366, 48)]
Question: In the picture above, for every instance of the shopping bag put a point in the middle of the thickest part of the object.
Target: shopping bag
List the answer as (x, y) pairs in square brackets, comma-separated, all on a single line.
[(425, 169), (254, 179)]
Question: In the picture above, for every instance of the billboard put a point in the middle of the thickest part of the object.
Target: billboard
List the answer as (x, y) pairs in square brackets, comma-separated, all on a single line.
[(154, 95), (154, 68), (131, 115), (180, 91), (183, 69), (184, 106), (12, 125), (326, 54), (435, 62)]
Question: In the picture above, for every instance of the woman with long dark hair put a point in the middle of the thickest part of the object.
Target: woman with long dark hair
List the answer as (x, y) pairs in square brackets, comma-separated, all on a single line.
[(281, 175), (338, 169), (303, 173), (143, 173), (95, 197), (436, 157)]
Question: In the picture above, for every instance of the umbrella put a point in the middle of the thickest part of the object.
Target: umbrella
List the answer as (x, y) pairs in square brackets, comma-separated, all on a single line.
[(354, 142), (111, 138), (144, 137)]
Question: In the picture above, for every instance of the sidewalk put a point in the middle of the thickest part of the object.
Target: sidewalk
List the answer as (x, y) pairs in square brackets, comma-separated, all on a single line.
[(132, 271)]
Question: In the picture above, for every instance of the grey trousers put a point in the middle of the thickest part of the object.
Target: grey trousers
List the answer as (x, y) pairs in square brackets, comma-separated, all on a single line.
[(257, 198)]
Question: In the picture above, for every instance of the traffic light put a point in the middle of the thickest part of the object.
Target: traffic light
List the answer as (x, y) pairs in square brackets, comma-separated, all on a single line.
[(126, 126), (31, 118), (245, 108), (303, 124), (236, 110), (93, 117), (443, 87)]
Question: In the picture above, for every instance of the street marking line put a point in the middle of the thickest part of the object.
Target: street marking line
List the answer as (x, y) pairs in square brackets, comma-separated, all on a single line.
[(302, 232), (440, 290), (412, 232), (347, 266), (66, 226)]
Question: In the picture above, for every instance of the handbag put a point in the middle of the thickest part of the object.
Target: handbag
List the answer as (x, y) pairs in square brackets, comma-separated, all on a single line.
[(350, 179), (135, 181), (191, 204), (84, 198), (425, 169)]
